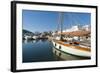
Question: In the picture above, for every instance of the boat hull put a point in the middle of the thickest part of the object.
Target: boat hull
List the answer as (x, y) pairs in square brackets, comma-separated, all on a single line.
[(71, 50)]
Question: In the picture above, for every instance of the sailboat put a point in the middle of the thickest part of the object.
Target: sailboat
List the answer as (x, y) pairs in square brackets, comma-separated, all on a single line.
[(75, 43)]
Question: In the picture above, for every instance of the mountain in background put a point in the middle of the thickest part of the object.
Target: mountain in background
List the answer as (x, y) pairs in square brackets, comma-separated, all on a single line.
[(27, 32)]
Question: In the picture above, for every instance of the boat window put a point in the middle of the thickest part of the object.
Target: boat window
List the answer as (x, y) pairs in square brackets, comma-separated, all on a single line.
[(55, 52), (55, 44), (86, 37), (70, 43), (59, 54), (59, 47), (76, 43)]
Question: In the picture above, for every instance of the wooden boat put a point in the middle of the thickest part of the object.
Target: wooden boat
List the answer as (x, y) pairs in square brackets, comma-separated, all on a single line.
[(73, 47)]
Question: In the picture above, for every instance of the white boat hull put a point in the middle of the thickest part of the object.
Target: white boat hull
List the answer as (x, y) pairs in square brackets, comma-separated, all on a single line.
[(72, 50)]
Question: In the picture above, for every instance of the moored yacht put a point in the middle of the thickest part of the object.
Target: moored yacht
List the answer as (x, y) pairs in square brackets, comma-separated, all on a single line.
[(73, 42)]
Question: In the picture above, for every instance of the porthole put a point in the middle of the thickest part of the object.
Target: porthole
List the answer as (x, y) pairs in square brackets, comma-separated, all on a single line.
[(55, 52), (55, 44), (59, 54), (59, 47)]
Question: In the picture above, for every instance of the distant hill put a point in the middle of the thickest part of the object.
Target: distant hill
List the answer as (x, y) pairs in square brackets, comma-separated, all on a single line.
[(27, 32)]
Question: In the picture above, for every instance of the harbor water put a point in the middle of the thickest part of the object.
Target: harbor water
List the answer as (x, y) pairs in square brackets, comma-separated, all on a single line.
[(43, 51)]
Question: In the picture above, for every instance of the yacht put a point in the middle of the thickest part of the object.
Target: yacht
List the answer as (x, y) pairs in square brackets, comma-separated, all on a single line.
[(73, 42)]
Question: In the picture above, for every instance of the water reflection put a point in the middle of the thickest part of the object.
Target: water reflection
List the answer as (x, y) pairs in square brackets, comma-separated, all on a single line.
[(38, 51), (43, 50), (34, 41)]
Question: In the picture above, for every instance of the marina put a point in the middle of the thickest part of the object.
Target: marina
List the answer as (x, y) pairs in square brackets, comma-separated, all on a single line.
[(61, 44), (33, 52)]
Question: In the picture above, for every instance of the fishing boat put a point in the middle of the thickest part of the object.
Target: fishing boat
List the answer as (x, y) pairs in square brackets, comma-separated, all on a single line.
[(73, 42)]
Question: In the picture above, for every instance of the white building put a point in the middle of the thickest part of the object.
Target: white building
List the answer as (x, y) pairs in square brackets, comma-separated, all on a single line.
[(74, 28), (77, 27), (86, 27)]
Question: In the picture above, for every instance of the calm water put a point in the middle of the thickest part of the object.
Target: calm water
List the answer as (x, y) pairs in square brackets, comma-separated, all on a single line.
[(38, 50), (42, 50)]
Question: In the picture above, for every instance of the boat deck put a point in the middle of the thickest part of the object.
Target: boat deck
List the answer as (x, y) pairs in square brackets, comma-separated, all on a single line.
[(73, 46)]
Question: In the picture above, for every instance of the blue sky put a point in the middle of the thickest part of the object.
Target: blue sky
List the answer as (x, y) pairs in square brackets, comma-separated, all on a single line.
[(40, 21)]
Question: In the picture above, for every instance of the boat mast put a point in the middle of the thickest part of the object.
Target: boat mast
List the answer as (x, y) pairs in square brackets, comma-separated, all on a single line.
[(60, 23)]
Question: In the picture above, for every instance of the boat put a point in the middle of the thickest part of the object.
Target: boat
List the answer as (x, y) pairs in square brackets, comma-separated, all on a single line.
[(75, 43)]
